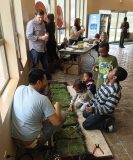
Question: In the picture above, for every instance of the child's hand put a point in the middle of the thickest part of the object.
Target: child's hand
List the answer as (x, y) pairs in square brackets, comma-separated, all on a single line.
[(70, 108), (95, 69), (89, 109)]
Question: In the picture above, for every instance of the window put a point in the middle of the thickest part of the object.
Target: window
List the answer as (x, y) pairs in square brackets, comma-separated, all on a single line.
[(4, 76), (120, 20), (113, 25), (115, 30), (81, 12), (73, 11), (130, 20), (61, 3), (61, 33)]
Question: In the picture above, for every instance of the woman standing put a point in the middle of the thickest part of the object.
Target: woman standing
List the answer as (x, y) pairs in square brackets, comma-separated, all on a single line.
[(51, 43), (76, 32)]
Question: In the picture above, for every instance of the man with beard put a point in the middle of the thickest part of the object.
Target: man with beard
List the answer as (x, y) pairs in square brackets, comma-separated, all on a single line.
[(33, 116)]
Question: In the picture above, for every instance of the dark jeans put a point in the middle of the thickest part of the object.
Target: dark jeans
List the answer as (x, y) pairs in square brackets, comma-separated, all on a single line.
[(122, 39), (94, 121), (72, 41), (42, 57)]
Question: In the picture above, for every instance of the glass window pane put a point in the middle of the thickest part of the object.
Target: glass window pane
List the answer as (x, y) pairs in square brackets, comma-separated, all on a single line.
[(73, 11), (112, 35), (113, 20), (3, 68), (81, 11), (0, 30), (62, 5), (130, 20), (0, 34), (120, 19), (61, 35), (118, 34)]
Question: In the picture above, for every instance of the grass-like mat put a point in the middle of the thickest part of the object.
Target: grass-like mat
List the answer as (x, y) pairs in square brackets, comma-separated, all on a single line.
[(60, 94), (71, 119), (69, 141), (67, 133), (70, 147)]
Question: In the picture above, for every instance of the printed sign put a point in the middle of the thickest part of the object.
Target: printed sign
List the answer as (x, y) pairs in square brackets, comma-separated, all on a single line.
[(59, 17), (94, 24), (40, 5)]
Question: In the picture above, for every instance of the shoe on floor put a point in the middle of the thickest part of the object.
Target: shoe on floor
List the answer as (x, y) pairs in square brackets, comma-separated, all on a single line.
[(110, 124), (121, 46)]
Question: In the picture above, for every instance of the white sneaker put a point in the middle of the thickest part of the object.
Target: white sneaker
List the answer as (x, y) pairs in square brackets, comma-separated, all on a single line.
[(110, 128)]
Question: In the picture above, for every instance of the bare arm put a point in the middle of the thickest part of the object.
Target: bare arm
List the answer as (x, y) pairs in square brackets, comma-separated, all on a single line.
[(56, 119)]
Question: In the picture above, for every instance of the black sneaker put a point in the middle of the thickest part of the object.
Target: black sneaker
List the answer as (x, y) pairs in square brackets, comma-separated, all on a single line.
[(109, 124)]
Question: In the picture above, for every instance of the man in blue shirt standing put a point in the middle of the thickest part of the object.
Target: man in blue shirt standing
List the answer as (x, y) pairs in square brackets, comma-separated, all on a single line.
[(33, 116), (36, 34)]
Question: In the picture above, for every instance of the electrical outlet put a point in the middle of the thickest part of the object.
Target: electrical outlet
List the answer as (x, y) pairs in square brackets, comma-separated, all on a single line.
[(5, 155)]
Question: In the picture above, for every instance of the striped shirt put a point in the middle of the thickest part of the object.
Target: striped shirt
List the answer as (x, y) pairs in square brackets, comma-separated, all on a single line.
[(106, 98)]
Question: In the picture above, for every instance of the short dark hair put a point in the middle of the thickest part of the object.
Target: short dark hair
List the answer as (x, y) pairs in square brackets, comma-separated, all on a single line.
[(104, 45), (39, 12), (89, 74), (121, 74), (97, 35), (79, 84), (35, 75), (51, 17), (125, 18)]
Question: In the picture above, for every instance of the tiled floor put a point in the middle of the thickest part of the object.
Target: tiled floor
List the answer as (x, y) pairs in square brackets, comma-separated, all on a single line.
[(121, 141)]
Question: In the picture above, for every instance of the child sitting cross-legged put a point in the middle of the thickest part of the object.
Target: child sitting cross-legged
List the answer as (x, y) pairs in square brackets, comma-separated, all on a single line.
[(82, 96)]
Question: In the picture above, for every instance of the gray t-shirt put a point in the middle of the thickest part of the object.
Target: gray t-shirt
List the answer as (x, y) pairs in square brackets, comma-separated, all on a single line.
[(28, 111)]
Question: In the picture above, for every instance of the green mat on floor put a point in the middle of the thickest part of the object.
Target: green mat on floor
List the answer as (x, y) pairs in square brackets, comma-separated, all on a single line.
[(125, 43)]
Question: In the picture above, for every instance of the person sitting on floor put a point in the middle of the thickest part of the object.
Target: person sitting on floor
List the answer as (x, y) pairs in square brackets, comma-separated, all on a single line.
[(87, 78), (99, 113), (82, 95), (34, 119)]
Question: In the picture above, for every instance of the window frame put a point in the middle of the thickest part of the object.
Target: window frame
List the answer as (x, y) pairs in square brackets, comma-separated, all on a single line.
[(5, 80), (64, 26)]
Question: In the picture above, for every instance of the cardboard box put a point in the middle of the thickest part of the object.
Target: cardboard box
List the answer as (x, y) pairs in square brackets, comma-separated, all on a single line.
[(72, 69)]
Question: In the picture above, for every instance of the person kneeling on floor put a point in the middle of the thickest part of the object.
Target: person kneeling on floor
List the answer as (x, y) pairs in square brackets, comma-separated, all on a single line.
[(99, 112), (34, 118)]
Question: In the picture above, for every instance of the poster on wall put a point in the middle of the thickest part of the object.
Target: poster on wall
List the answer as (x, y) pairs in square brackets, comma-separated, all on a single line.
[(93, 25), (40, 5), (59, 16)]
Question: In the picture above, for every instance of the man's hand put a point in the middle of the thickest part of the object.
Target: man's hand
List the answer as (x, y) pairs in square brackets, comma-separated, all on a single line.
[(43, 38), (57, 106), (89, 109)]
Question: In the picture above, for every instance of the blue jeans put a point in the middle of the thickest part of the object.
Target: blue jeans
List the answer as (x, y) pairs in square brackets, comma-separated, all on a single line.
[(42, 57)]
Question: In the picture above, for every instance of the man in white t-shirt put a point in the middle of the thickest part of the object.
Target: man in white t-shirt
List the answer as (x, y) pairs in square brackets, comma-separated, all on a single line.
[(30, 109)]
